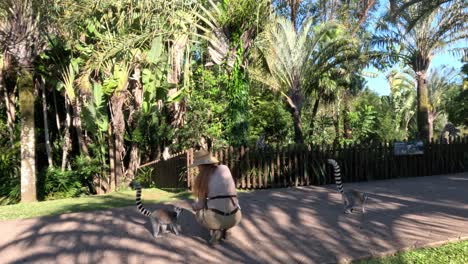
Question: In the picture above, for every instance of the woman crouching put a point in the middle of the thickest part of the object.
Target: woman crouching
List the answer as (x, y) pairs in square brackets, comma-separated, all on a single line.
[(217, 207)]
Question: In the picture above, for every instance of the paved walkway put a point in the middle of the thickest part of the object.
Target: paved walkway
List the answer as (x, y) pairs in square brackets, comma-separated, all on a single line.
[(294, 225)]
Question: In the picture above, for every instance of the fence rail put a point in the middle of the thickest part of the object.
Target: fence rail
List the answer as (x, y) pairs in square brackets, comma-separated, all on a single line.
[(298, 165)]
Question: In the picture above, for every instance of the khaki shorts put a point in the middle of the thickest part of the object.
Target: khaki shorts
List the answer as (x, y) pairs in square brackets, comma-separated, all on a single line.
[(214, 221)]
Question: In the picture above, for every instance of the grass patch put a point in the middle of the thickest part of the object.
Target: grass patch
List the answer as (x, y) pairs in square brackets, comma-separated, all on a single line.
[(89, 203), (453, 253)]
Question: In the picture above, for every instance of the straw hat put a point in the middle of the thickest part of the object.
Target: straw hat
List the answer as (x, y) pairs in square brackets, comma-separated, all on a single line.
[(203, 157)]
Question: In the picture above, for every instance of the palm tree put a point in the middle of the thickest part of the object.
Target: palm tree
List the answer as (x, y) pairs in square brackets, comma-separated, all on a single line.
[(286, 53), (68, 80), (294, 59), (426, 9), (21, 39), (445, 26), (440, 82)]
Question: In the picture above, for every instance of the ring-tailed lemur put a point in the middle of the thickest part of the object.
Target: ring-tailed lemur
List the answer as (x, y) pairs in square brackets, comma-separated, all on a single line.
[(162, 220), (352, 198)]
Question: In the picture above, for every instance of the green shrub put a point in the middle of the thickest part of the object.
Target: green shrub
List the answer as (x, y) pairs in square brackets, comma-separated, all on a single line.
[(86, 169), (10, 168), (72, 183), (144, 177), (61, 184)]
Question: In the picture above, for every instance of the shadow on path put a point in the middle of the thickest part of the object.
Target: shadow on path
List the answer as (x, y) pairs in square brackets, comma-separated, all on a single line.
[(293, 225)]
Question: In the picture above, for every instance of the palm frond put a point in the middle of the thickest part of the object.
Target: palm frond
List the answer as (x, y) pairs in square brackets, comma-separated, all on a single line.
[(68, 79)]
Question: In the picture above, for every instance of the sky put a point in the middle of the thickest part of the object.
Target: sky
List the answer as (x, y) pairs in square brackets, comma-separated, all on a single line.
[(380, 85)]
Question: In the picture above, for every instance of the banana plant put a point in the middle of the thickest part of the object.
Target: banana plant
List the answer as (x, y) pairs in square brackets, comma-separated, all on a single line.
[(154, 87), (96, 122), (441, 81), (115, 85), (402, 98), (75, 99)]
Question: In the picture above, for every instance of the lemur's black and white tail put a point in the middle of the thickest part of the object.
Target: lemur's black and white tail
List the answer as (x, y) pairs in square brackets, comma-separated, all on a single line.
[(138, 200), (337, 174)]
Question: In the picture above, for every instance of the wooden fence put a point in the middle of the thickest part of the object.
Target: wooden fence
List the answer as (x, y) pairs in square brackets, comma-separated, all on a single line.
[(298, 165), (170, 173)]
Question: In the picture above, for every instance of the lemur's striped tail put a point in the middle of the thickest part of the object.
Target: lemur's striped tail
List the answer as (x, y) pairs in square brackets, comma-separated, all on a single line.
[(138, 200), (337, 174)]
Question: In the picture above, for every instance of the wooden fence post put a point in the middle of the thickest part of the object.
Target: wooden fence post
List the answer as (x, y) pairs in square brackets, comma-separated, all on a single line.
[(284, 176), (247, 167), (234, 166), (289, 164), (265, 165), (306, 165), (258, 170), (278, 167), (272, 167), (296, 169), (294, 165), (241, 166), (187, 173), (252, 172)]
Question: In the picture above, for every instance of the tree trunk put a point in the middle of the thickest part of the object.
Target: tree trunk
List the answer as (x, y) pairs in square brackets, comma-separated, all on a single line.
[(336, 125), (77, 124), (364, 14), (406, 128), (119, 155), (111, 159), (67, 137), (9, 82), (57, 117), (28, 141), (11, 113), (101, 180), (118, 122), (2, 86), (314, 114), (298, 136), (347, 132), (294, 102), (294, 7), (134, 163), (431, 118), (137, 91), (41, 84), (296, 116), (423, 106)]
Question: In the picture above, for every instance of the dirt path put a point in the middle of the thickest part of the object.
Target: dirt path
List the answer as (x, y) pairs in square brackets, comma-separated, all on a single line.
[(295, 225)]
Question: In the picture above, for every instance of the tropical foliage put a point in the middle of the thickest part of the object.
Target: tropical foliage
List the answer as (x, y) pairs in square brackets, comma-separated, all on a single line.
[(416, 44), (92, 90)]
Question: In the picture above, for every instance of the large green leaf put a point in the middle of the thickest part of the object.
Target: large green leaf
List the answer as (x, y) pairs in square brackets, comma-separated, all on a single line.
[(154, 54)]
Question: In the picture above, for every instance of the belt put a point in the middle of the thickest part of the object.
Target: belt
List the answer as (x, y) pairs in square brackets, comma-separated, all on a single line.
[(222, 197), (223, 213)]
